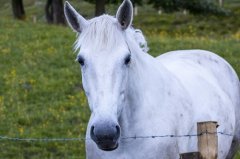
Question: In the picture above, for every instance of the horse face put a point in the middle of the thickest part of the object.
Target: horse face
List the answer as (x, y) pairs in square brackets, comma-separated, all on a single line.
[(104, 78), (105, 60)]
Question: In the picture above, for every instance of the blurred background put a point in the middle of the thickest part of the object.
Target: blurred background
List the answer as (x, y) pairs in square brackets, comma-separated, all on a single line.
[(41, 95)]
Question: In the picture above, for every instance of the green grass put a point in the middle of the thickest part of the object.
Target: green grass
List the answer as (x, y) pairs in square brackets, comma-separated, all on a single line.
[(40, 91), (40, 83)]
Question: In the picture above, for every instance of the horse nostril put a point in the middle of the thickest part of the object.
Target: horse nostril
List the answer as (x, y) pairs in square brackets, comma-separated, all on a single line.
[(93, 136), (118, 133), (118, 130)]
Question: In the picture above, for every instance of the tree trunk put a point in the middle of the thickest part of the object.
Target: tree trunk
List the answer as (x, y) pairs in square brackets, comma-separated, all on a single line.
[(18, 9), (135, 8), (54, 12), (220, 3), (133, 3), (49, 11), (100, 7), (58, 13)]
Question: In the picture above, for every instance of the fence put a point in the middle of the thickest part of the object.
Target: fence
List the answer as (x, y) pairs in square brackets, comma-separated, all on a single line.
[(206, 135)]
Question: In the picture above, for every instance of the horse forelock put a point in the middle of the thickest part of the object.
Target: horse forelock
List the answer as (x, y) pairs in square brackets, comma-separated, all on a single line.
[(101, 32), (104, 33)]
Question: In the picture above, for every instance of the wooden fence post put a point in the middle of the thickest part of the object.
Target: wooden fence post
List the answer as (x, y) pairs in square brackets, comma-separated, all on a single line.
[(208, 141), (190, 155)]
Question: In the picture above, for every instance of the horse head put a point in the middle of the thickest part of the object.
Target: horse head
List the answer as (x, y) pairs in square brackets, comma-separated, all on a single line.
[(105, 60)]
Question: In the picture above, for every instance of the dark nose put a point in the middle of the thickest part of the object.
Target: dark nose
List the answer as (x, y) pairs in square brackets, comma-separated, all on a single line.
[(105, 136)]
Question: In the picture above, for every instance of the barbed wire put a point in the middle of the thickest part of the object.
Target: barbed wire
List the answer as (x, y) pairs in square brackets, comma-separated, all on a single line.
[(6, 138), (177, 136)]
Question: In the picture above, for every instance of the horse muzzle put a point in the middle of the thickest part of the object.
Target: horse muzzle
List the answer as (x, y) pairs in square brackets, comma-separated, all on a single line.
[(105, 136)]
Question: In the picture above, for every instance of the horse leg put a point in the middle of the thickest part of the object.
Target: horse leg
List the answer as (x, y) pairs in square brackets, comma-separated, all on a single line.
[(234, 148)]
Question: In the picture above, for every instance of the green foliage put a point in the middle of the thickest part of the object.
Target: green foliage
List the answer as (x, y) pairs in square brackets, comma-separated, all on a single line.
[(139, 2), (193, 6), (203, 7), (167, 5)]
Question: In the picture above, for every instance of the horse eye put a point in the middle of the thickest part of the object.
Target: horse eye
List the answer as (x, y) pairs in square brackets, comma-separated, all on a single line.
[(80, 60), (127, 60)]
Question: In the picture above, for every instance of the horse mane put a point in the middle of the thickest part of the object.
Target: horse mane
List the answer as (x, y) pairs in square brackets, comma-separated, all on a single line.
[(141, 40), (104, 32)]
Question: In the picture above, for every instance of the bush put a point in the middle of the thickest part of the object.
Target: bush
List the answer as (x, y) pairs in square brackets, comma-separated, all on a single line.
[(193, 6)]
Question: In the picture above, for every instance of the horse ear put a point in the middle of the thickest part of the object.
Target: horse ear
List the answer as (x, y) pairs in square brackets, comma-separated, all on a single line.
[(125, 14), (74, 19)]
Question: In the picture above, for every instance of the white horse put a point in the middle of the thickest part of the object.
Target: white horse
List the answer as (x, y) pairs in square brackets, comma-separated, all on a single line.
[(131, 93)]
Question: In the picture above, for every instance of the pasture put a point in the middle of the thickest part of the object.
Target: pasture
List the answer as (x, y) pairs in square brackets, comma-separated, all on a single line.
[(40, 83)]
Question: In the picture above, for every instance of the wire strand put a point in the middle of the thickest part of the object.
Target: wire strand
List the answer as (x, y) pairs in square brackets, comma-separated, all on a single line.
[(6, 138)]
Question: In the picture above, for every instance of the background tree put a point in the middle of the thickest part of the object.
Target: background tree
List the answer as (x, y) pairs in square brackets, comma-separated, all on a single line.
[(220, 3), (54, 12), (100, 4), (193, 6), (134, 2), (100, 7), (18, 9)]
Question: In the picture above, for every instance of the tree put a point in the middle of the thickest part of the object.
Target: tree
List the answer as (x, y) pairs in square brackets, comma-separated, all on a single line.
[(54, 12), (100, 7), (100, 4), (193, 6), (220, 3), (134, 2), (166, 5), (18, 9)]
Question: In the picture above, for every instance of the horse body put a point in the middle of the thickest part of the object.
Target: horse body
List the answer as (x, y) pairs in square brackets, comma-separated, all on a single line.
[(174, 92), (131, 93)]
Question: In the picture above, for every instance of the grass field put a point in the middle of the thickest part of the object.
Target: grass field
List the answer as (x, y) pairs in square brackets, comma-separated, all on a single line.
[(40, 83)]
